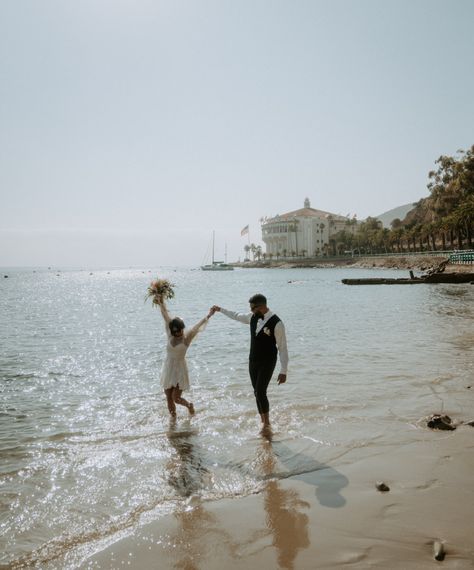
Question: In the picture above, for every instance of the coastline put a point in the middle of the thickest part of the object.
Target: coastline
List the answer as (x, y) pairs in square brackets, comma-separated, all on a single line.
[(126, 488), (298, 522), (408, 262)]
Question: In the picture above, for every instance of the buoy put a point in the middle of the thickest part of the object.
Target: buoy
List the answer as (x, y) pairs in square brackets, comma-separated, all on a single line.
[(382, 487)]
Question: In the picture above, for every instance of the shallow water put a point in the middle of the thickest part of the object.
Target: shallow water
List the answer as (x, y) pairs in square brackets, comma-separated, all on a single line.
[(88, 451)]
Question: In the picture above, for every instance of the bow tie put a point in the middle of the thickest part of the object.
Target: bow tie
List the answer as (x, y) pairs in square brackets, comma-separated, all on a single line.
[(260, 317)]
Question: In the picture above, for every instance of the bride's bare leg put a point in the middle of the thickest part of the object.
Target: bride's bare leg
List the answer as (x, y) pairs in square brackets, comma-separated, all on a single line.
[(179, 400), (170, 401)]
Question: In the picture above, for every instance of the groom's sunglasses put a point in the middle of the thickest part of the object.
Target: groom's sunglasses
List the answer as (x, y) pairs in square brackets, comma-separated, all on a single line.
[(253, 307)]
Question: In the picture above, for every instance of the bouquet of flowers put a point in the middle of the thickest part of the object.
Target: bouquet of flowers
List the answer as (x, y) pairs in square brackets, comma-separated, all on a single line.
[(159, 290)]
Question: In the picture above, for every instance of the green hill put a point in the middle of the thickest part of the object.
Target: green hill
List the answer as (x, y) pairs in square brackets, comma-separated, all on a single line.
[(387, 217)]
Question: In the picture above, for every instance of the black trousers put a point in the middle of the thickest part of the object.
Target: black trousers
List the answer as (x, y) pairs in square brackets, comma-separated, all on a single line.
[(260, 375)]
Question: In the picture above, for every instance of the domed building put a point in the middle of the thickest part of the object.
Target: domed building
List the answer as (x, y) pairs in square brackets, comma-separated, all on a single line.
[(306, 232)]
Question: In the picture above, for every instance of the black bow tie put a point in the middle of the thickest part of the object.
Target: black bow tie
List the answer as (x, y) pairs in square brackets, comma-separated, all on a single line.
[(260, 317)]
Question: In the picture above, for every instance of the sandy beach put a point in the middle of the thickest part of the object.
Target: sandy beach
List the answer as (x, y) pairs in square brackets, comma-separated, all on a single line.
[(299, 522)]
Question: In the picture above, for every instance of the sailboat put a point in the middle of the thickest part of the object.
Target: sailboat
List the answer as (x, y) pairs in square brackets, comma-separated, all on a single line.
[(216, 265)]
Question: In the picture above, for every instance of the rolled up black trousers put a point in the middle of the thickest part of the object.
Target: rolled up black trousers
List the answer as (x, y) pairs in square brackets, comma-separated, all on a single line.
[(260, 375)]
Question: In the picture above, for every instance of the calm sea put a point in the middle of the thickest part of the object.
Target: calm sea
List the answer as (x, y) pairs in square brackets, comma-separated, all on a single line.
[(86, 446)]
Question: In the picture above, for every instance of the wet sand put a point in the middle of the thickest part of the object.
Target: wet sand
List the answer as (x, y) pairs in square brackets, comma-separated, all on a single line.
[(329, 517)]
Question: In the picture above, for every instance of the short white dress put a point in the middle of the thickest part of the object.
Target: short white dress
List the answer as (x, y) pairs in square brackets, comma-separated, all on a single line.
[(174, 372)]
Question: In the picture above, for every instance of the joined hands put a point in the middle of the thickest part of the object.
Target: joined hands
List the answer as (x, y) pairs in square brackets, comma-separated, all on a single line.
[(213, 310)]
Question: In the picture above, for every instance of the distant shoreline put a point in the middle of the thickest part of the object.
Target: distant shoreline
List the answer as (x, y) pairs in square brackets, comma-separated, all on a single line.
[(408, 262)]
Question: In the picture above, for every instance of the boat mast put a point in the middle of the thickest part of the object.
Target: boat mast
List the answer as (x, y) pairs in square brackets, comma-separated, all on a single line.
[(213, 237)]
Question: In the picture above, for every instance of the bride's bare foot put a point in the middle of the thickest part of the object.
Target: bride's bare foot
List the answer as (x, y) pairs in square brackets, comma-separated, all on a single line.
[(191, 408)]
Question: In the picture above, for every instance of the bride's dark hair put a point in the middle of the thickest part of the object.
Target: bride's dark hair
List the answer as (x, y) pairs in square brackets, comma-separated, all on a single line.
[(176, 325)]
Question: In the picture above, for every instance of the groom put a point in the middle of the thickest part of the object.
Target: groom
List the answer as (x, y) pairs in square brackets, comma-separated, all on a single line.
[(267, 339)]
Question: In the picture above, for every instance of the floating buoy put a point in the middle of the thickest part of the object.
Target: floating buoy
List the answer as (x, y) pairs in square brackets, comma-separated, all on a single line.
[(5, 276)]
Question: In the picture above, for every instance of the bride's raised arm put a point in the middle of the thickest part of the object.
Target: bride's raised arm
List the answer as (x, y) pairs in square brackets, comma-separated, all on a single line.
[(165, 314), (198, 327)]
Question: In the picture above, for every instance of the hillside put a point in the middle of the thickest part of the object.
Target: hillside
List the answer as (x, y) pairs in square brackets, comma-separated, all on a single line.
[(387, 217)]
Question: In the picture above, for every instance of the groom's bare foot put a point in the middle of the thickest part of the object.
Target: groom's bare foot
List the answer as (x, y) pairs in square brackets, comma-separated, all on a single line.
[(266, 432), (191, 409)]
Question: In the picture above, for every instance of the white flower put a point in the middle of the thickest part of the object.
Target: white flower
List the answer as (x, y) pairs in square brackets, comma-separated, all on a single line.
[(267, 331)]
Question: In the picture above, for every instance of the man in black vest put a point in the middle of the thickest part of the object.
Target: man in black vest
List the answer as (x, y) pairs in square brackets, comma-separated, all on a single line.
[(267, 340)]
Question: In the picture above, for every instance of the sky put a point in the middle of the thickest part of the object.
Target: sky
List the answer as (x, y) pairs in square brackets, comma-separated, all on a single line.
[(130, 130)]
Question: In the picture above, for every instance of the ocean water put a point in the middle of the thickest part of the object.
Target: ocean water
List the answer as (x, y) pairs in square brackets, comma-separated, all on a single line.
[(87, 449)]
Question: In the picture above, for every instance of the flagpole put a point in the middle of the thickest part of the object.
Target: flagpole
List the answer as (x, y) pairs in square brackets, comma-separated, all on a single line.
[(244, 231)]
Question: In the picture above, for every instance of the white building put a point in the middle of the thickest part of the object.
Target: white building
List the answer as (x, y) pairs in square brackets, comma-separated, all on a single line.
[(306, 232)]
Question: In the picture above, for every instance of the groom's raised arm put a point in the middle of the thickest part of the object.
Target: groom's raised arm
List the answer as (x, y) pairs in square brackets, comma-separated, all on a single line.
[(241, 317)]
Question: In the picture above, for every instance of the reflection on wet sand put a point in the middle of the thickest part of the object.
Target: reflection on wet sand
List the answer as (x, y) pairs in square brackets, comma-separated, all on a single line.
[(284, 519), (200, 535), (187, 473), (188, 476), (190, 549)]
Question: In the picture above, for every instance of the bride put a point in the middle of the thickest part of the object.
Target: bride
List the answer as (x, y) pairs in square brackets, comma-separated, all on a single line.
[(174, 374)]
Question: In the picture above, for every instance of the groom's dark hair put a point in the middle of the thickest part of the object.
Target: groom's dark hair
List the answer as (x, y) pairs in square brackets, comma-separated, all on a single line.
[(258, 299)]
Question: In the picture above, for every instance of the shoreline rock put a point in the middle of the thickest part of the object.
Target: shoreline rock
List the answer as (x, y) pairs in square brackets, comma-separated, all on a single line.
[(408, 262), (440, 421)]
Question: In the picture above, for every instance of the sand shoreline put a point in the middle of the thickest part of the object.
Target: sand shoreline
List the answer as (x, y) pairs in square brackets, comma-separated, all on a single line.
[(333, 517)]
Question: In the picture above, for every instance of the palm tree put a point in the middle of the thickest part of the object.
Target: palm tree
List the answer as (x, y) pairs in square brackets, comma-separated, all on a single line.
[(247, 251), (253, 249), (396, 237), (464, 217)]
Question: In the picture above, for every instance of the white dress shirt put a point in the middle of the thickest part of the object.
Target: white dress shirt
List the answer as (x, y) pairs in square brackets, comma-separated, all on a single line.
[(280, 334)]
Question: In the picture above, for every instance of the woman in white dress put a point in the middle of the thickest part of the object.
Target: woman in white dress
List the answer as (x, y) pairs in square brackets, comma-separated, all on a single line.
[(174, 374)]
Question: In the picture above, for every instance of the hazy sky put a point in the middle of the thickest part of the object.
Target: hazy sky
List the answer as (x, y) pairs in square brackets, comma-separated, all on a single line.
[(130, 129)]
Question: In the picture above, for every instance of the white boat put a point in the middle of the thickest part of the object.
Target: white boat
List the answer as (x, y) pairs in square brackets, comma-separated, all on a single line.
[(216, 265)]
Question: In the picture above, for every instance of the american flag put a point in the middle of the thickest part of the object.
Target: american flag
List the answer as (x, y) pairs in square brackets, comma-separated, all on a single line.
[(244, 231)]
